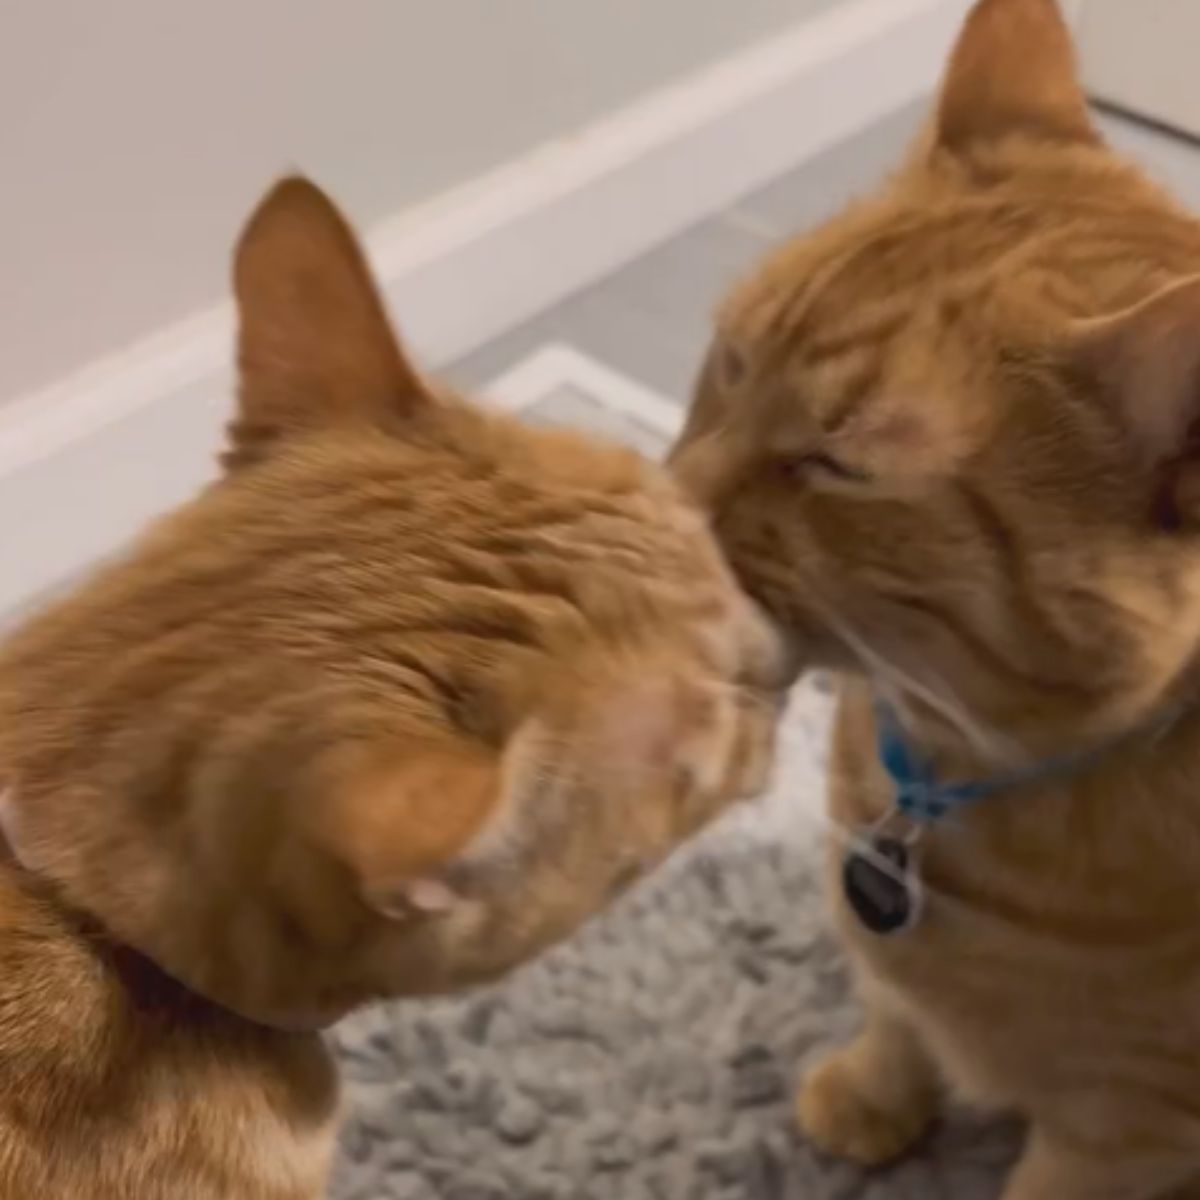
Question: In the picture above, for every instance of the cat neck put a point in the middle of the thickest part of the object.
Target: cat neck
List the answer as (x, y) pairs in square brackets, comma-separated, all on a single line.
[(148, 990), (932, 780)]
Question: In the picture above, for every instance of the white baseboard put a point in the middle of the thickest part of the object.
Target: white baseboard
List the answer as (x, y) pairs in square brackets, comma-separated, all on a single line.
[(557, 365), (84, 464)]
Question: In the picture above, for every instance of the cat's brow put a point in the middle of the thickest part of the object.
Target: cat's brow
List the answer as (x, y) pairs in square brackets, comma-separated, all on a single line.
[(862, 377), (883, 327)]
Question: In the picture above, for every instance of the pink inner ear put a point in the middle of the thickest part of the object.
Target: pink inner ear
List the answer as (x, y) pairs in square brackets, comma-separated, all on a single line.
[(1149, 358)]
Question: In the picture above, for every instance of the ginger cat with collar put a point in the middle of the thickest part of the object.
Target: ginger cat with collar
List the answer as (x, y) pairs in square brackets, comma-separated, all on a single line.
[(949, 441), (397, 703)]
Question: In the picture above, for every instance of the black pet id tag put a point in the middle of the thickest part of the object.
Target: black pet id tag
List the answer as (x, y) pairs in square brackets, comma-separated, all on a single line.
[(882, 884)]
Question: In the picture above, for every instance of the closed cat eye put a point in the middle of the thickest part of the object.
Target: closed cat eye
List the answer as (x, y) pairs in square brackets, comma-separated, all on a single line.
[(804, 466)]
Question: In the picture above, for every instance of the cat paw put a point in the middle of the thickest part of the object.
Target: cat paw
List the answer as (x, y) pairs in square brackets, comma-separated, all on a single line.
[(840, 1117)]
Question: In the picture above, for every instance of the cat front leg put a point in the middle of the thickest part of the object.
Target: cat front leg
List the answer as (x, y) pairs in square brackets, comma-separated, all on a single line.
[(874, 1098)]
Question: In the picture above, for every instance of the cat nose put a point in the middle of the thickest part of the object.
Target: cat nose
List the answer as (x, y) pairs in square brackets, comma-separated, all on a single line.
[(697, 465), (769, 661)]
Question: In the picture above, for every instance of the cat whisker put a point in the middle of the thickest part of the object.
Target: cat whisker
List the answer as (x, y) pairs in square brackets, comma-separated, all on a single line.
[(897, 685)]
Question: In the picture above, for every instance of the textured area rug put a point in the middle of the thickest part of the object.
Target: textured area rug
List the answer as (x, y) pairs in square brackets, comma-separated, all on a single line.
[(654, 1057)]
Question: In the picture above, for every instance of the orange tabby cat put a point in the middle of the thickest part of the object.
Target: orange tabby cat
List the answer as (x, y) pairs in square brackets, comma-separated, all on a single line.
[(949, 440), (394, 705)]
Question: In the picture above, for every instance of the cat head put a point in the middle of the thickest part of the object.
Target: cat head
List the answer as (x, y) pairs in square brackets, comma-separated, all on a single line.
[(948, 438), (401, 700)]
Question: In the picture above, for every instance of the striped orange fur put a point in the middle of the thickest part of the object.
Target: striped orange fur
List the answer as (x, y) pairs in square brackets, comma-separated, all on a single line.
[(400, 701), (949, 440)]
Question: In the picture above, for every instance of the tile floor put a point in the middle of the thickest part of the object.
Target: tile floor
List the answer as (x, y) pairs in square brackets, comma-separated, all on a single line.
[(650, 319)]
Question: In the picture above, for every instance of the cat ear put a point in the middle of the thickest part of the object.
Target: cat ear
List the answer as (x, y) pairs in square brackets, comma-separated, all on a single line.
[(1013, 71), (403, 826), (1148, 360), (443, 829), (315, 348)]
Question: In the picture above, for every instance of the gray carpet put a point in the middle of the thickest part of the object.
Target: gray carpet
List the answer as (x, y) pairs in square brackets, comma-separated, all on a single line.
[(654, 1057)]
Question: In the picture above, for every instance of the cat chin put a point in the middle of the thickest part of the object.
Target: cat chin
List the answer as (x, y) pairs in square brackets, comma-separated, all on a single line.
[(796, 653), (806, 649)]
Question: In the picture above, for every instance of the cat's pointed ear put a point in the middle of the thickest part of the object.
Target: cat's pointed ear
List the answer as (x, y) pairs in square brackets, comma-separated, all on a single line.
[(1148, 360), (639, 762), (404, 827), (315, 348), (1013, 71)]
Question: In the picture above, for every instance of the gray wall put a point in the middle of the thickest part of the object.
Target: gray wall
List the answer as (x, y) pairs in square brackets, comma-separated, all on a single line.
[(135, 134)]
